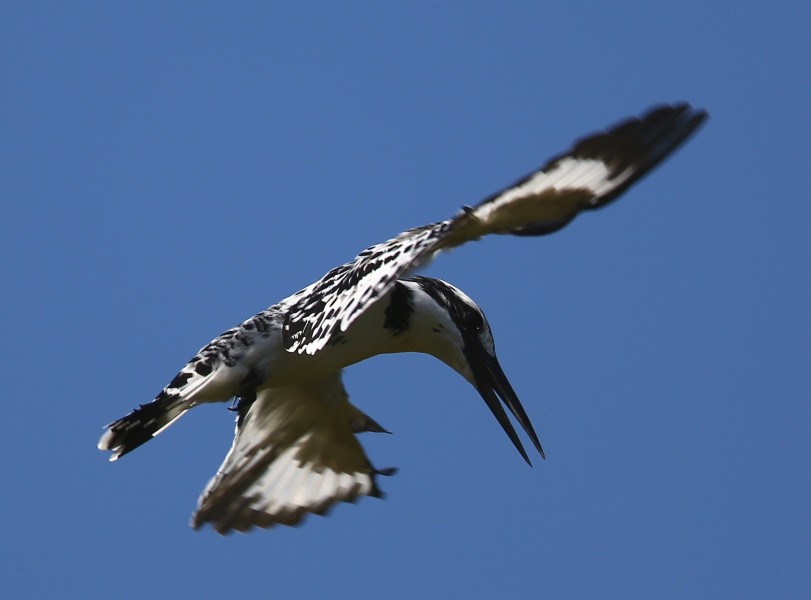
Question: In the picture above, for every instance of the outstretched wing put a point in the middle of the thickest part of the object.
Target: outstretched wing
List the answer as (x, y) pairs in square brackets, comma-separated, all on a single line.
[(294, 453), (597, 170)]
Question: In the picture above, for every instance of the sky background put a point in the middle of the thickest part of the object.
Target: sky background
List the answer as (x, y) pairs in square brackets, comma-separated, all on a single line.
[(171, 168)]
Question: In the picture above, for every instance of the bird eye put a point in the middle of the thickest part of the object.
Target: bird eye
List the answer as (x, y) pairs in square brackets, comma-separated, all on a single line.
[(473, 321)]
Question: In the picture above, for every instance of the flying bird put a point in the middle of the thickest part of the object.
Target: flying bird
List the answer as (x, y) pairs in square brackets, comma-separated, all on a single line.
[(295, 450)]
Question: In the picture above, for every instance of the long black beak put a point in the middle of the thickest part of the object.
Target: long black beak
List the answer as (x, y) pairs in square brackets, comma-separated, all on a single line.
[(493, 385)]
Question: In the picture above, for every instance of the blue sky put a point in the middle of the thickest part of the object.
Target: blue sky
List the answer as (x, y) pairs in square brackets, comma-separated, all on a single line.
[(172, 168)]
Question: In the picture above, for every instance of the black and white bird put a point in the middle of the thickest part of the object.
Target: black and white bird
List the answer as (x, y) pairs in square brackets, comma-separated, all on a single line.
[(295, 450)]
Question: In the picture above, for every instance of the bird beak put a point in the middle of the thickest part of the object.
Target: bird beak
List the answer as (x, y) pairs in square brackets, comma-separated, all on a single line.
[(494, 388)]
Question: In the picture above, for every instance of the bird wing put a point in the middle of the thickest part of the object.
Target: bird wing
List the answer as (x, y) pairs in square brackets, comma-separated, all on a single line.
[(294, 452), (597, 170)]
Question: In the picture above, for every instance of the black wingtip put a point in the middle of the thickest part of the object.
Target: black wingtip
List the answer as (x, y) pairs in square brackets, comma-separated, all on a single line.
[(630, 149), (642, 143)]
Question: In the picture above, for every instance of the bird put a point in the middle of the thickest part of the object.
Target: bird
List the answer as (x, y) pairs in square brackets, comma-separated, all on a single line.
[(295, 449)]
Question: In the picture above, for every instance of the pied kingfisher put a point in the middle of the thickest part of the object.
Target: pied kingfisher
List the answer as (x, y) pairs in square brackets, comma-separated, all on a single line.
[(295, 450)]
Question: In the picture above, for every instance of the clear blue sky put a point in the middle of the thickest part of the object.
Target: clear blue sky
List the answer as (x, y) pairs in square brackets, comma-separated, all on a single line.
[(168, 169)]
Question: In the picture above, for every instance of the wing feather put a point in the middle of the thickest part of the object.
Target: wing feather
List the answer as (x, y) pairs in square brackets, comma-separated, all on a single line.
[(596, 171), (293, 453)]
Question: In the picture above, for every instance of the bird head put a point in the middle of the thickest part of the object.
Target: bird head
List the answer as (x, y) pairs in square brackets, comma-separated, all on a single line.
[(464, 341)]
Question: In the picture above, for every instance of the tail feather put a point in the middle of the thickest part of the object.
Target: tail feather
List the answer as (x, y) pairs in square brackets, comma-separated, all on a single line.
[(142, 424), (201, 380)]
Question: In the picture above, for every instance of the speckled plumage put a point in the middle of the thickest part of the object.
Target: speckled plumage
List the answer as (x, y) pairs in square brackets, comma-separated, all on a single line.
[(295, 450)]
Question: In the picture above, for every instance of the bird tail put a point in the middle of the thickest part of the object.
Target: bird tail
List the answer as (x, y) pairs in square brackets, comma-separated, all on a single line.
[(142, 424)]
